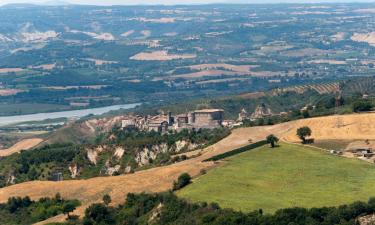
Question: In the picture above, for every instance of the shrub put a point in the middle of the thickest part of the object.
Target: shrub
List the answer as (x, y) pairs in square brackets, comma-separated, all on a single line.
[(183, 180), (362, 106)]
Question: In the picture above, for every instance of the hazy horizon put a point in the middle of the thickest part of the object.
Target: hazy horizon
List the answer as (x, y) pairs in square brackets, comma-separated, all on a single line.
[(175, 2)]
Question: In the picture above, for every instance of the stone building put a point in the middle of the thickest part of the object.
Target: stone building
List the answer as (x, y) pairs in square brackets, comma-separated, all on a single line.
[(206, 118), (199, 119)]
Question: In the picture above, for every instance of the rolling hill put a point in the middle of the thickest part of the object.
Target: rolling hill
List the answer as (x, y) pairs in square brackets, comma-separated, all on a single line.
[(284, 177), (160, 179)]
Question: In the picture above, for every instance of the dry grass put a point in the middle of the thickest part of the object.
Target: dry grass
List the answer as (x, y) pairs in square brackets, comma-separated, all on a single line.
[(364, 37), (25, 144), (9, 92), (355, 126), (11, 70), (100, 62), (160, 56), (339, 127), (45, 66)]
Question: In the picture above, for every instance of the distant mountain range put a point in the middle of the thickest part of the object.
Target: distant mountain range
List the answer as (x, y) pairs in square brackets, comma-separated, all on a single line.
[(170, 2)]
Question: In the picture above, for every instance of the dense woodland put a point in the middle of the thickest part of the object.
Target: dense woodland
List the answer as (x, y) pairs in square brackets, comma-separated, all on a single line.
[(24, 211)]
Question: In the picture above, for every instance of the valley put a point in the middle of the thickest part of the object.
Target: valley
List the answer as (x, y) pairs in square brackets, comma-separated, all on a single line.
[(191, 114)]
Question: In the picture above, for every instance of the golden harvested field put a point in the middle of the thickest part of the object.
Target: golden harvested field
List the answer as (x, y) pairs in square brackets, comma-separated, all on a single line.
[(25, 144), (10, 70), (160, 56), (355, 126), (340, 127), (8, 92), (328, 61), (364, 37)]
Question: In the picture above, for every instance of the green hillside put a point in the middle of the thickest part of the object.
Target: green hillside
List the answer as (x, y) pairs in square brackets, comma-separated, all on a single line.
[(284, 177)]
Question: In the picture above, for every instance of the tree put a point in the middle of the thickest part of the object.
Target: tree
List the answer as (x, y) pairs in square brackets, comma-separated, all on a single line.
[(107, 199), (362, 105), (98, 214), (272, 139), (183, 180), (68, 208), (303, 132)]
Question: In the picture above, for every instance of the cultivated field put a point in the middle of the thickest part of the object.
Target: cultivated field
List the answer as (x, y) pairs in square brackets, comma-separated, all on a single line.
[(25, 144), (160, 56), (288, 176), (339, 127)]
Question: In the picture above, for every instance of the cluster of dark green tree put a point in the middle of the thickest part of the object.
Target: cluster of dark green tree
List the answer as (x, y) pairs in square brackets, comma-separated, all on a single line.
[(166, 208), (25, 211), (37, 164)]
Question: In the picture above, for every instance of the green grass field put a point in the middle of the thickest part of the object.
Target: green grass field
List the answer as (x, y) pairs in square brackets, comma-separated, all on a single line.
[(283, 177)]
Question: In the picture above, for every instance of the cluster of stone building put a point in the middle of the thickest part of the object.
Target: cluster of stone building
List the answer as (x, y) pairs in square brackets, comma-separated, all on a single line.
[(199, 119)]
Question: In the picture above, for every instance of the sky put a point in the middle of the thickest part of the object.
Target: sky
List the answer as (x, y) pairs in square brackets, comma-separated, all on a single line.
[(173, 2)]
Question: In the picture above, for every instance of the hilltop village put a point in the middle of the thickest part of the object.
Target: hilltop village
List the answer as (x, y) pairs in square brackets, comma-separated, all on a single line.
[(198, 119)]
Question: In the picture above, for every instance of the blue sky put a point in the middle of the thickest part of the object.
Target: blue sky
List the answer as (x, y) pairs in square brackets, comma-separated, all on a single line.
[(172, 2)]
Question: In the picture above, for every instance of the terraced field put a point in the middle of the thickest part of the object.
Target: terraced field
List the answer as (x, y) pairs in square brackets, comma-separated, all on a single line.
[(320, 88)]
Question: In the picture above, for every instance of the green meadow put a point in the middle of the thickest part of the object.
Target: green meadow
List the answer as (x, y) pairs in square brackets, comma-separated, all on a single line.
[(283, 177)]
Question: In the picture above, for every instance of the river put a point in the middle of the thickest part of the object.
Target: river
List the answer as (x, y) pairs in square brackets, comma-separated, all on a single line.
[(8, 120)]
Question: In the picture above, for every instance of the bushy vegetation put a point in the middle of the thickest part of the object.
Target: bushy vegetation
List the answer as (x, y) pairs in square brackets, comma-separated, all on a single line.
[(24, 211), (134, 138), (166, 208), (183, 180), (44, 163)]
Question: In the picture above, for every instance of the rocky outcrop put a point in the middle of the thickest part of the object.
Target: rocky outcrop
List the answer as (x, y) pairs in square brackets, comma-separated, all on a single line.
[(181, 145), (92, 153), (11, 179), (185, 146), (261, 112), (74, 170), (156, 213), (112, 170), (144, 156), (119, 152), (367, 220)]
